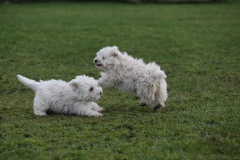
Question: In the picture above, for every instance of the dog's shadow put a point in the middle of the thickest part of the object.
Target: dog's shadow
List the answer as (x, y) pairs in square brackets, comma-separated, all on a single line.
[(127, 109), (121, 110)]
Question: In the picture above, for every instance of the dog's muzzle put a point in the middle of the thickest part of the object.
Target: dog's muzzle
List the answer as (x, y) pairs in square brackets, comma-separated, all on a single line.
[(97, 63)]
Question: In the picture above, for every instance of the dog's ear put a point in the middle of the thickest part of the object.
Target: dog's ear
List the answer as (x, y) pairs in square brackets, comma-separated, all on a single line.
[(160, 74), (115, 51), (115, 54), (74, 85)]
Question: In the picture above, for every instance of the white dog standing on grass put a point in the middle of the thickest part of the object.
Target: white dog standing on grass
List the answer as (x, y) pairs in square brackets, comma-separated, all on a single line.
[(75, 97), (131, 75)]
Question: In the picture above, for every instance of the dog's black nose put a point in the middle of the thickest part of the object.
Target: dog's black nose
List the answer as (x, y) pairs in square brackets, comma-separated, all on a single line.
[(100, 93), (95, 61)]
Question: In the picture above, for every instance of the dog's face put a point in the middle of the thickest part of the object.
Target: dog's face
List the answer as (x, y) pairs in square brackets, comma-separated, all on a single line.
[(106, 58), (86, 88)]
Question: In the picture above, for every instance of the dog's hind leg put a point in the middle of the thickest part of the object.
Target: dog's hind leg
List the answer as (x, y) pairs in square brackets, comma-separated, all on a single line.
[(39, 107)]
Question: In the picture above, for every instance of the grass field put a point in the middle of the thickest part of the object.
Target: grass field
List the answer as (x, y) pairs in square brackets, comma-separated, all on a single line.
[(197, 45)]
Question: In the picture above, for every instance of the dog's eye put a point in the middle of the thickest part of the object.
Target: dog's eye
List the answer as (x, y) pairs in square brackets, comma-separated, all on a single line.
[(91, 89), (103, 58)]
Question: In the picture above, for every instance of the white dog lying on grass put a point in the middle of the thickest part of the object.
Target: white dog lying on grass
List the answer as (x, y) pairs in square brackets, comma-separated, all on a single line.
[(132, 76), (75, 97)]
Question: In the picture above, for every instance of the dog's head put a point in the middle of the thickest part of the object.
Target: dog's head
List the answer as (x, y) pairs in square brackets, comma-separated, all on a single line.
[(86, 88), (107, 58)]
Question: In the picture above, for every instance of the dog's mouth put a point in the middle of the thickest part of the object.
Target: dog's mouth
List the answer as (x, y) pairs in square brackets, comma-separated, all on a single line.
[(99, 65)]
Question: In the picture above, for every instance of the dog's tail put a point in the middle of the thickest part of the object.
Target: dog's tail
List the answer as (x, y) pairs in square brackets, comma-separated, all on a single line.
[(28, 82)]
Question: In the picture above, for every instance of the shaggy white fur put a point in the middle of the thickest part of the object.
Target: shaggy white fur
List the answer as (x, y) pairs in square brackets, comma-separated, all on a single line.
[(131, 75), (75, 97)]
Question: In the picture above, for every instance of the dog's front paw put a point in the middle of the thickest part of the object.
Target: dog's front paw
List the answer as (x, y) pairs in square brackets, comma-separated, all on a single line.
[(157, 106), (40, 113), (143, 104), (100, 82), (101, 109), (99, 115), (101, 74)]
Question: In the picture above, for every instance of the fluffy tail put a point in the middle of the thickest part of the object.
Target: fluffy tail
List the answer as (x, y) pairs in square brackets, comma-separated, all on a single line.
[(28, 82)]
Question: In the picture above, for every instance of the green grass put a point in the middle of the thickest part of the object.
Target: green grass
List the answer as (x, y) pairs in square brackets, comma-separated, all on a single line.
[(196, 44)]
